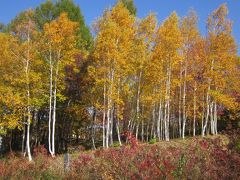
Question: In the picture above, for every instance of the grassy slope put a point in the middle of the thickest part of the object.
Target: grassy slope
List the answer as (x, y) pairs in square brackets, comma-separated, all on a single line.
[(126, 162), (58, 163)]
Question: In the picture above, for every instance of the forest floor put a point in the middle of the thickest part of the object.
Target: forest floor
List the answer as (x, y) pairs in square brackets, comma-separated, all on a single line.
[(212, 157)]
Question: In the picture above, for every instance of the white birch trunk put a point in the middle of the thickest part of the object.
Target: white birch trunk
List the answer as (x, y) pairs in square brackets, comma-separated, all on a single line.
[(28, 99), (194, 109), (159, 119), (184, 101), (104, 114), (50, 103), (208, 101), (108, 110), (117, 125), (138, 101), (180, 104), (207, 114), (215, 118), (211, 118), (54, 107), (168, 105)]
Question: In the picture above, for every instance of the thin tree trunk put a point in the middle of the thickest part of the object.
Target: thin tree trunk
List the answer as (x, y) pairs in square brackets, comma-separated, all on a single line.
[(211, 118), (50, 104), (203, 115), (207, 114), (184, 101), (194, 109), (166, 106), (159, 119), (162, 125), (207, 100), (54, 107), (109, 109), (28, 100), (112, 110), (54, 117), (108, 122), (23, 140), (118, 133), (117, 124), (136, 135), (215, 118), (138, 101), (153, 122), (180, 104), (104, 115), (93, 128), (28, 137)]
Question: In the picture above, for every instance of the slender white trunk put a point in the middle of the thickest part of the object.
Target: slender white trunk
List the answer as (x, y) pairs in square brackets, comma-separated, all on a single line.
[(168, 104), (118, 133), (142, 133), (104, 113), (55, 105), (180, 104), (159, 119), (165, 109), (54, 117), (208, 100), (108, 110), (194, 109), (111, 127), (138, 101), (112, 110), (161, 126), (153, 134), (93, 128), (207, 114), (28, 137), (136, 135), (184, 100), (203, 115), (108, 122), (28, 99), (50, 103), (211, 118), (117, 125), (215, 118), (28, 127)]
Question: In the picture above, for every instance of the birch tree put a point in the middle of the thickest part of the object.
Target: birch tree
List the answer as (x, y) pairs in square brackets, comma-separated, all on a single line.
[(168, 42), (222, 63), (115, 32), (59, 47), (190, 34)]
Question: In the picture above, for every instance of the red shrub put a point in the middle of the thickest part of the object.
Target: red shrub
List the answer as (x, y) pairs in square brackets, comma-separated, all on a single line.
[(40, 151)]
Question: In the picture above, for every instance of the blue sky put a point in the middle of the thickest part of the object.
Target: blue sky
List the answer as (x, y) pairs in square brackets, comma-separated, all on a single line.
[(92, 9)]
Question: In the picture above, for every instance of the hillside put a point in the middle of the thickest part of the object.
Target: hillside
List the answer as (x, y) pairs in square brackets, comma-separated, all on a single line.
[(214, 157)]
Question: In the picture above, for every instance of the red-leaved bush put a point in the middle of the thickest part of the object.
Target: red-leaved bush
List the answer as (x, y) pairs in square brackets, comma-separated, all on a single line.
[(197, 159), (202, 158)]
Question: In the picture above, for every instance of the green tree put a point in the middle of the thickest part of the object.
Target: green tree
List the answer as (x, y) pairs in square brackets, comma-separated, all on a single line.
[(129, 4), (49, 11)]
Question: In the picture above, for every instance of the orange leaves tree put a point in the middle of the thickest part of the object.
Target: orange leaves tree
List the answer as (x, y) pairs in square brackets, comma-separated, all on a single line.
[(58, 47), (114, 41)]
